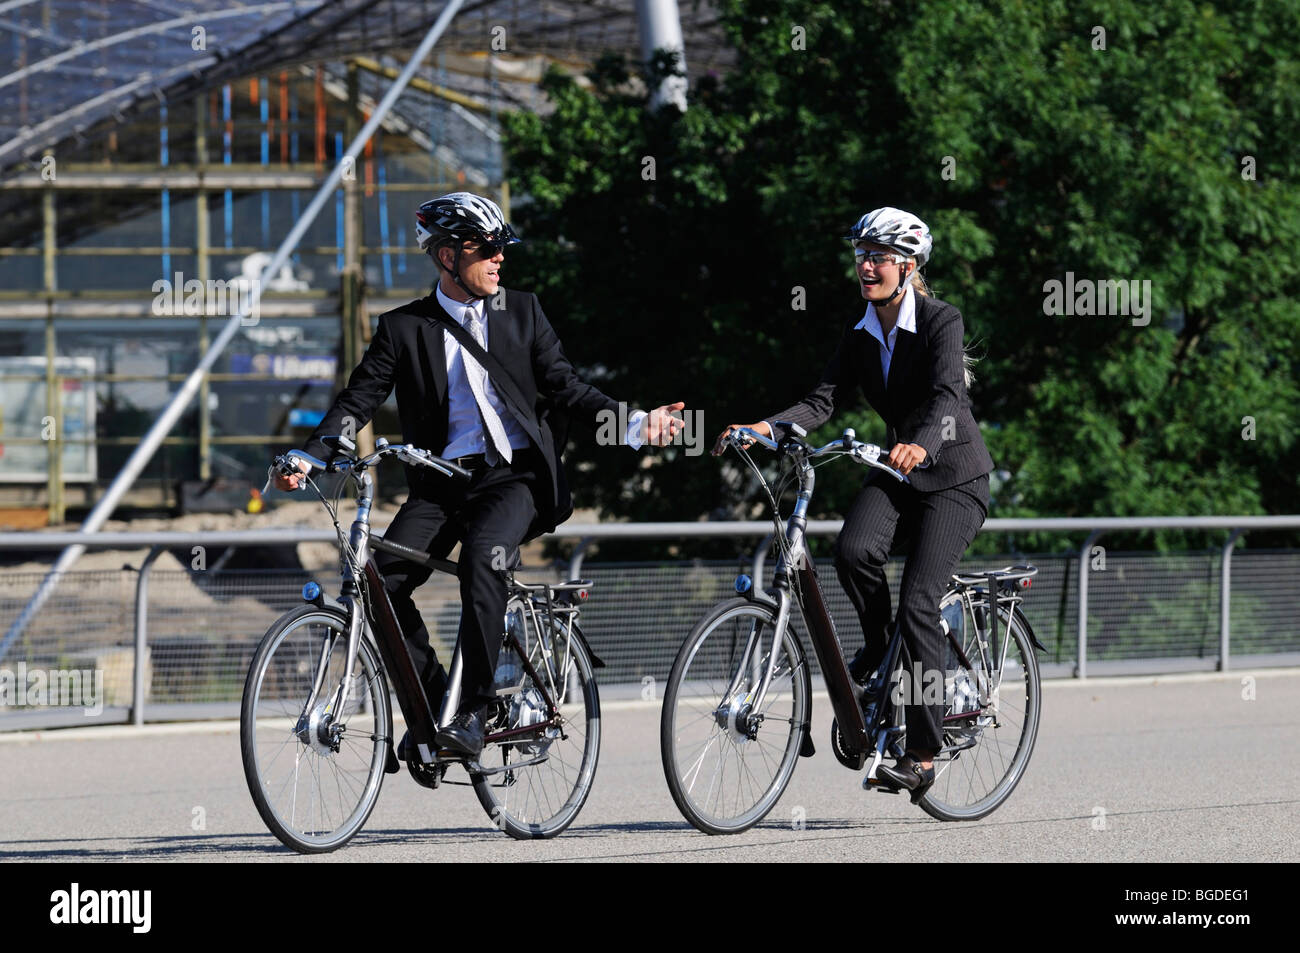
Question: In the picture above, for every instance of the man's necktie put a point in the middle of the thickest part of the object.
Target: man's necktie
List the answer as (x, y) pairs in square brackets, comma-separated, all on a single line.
[(498, 445)]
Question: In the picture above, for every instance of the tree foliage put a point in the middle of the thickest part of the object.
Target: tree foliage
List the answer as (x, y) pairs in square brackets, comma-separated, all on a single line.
[(1159, 149)]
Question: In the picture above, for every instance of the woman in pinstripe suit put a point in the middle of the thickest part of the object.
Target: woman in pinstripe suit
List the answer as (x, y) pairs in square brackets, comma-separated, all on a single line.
[(905, 354)]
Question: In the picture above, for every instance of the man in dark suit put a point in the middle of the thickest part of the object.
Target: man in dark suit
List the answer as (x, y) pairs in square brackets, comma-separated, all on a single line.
[(905, 356), (450, 404)]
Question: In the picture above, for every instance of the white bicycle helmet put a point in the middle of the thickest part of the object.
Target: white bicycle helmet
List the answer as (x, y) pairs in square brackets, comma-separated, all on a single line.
[(896, 229), (899, 230), (458, 217)]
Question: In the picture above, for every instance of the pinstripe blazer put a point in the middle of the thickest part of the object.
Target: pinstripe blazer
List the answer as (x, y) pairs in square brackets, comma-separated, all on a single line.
[(925, 402)]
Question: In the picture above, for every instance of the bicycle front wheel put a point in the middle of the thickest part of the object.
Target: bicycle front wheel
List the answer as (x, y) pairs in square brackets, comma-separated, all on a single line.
[(537, 776), (986, 745), (726, 762), (314, 774)]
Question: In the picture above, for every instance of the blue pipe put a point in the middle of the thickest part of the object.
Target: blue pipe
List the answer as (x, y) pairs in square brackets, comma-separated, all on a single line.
[(226, 136), (293, 157), (338, 203), (266, 159), (383, 207), (166, 194)]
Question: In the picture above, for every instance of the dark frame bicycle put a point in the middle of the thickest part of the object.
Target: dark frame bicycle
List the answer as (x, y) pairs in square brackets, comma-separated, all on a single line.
[(316, 726), (737, 711)]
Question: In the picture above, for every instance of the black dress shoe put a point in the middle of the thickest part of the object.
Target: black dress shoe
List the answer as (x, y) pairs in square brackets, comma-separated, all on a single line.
[(908, 775), (861, 667), (463, 734)]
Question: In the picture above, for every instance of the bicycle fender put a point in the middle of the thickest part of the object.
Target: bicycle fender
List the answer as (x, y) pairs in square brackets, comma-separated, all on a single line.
[(596, 660), (1029, 630)]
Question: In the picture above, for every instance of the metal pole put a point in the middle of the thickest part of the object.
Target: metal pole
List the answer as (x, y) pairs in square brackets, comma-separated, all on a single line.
[(661, 29), (1081, 665), (53, 398), (142, 634), (167, 419), (1225, 581), (575, 561), (201, 251)]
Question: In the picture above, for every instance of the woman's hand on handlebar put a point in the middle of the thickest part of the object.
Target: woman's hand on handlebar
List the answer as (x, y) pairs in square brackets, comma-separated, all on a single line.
[(760, 427), (905, 456), (291, 482)]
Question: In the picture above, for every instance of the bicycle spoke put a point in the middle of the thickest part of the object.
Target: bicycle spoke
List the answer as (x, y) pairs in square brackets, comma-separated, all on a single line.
[(316, 797), (724, 773)]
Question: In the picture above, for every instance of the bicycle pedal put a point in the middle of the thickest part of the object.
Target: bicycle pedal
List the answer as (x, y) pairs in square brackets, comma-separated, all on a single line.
[(871, 784)]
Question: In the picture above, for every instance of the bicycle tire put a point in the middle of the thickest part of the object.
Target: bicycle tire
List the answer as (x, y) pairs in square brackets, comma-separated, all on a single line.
[(973, 782), (697, 702), (541, 800), (272, 724)]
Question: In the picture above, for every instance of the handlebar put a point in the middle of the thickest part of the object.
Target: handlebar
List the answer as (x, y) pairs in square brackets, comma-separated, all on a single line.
[(287, 464), (867, 454)]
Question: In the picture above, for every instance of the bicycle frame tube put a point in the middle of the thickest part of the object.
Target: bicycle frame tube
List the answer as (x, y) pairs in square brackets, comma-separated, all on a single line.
[(839, 684), (397, 658), (821, 628)]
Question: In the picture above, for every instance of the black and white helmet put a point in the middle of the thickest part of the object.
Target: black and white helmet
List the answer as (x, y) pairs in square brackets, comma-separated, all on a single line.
[(896, 229), (462, 216)]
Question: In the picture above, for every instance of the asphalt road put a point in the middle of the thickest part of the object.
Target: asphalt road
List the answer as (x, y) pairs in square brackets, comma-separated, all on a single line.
[(1176, 768)]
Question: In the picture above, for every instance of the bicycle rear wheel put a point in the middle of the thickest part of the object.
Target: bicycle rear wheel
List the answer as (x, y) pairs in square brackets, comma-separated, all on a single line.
[(536, 784), (314, 774), (724, 774), (986, 747)]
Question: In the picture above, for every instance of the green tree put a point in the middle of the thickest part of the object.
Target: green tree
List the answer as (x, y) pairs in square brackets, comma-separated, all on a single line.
[(1111, 140)]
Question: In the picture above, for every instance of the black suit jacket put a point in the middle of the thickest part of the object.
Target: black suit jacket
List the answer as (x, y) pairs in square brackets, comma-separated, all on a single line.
[(925, 403), (408, 352)]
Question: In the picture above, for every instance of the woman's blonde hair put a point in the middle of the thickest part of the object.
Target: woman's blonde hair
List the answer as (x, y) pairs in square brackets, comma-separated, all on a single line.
[(969, 360), (918, 283)]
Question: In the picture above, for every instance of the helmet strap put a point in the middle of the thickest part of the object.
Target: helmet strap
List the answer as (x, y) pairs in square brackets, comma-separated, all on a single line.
[(902, 286), (454, 270)]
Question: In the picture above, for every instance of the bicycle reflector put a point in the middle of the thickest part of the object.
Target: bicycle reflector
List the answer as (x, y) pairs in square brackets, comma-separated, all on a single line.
[(1026, 583), (311, 592), (744, 583)]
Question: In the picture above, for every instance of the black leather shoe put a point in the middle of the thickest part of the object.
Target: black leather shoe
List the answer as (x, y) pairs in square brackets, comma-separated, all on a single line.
[(908, 775), (860, 667), (463, 734)]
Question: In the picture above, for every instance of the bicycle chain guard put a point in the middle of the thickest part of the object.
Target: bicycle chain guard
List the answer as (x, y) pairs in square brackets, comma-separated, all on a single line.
[(854, 762)]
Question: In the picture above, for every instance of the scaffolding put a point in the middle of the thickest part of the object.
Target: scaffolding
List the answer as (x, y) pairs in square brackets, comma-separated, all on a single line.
[(140, 141)]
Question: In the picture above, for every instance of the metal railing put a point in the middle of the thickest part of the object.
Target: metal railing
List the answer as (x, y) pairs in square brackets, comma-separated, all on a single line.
[(641, 647)]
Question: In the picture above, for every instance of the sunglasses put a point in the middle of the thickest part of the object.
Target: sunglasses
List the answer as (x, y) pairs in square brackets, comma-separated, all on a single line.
[(875, 258)]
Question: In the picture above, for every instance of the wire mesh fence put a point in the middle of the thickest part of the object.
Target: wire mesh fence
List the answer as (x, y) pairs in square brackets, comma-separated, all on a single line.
[(204, 626)]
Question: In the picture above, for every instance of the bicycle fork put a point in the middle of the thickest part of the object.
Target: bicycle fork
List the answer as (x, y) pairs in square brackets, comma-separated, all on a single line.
[(317, 720), (738, 715)]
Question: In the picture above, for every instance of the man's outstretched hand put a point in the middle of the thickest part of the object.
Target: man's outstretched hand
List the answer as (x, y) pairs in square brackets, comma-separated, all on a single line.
[(661, 426)]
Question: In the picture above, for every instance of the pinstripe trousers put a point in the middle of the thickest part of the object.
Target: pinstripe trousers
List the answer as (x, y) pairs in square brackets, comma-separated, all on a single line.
[(936, 527)]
